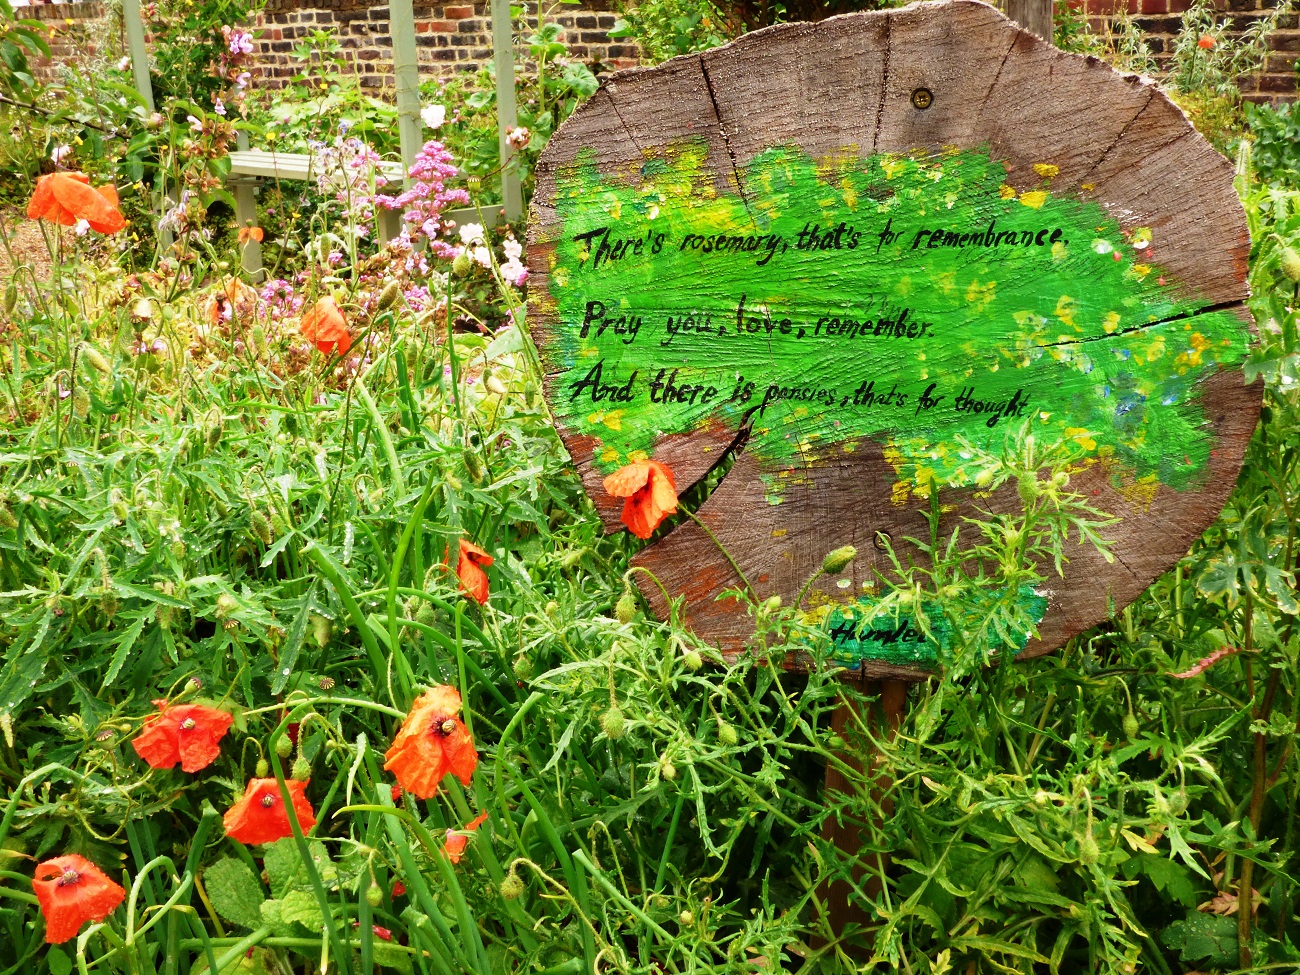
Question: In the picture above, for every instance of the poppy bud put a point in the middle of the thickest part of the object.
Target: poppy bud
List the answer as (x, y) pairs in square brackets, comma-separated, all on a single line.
[(258, 336), (552, 608), (692, 660), (225, 605), (460, 265), (7, 519), (426, 614), (523, 667), (512, 887), (613, 723), (1178, 802), (388, 297), (108, 604), (301, 769), (727, 734), (686, 918), (472, 466), (262, 769), (11, 298), (1131, 728), (163, 615), (374, 896), (118, 504), (283, 746), (81, 402), (1027, 485), (771, 605), (96, 359), (667, 769), (494, 384), (177, 549), (321, 629), (1291, 264), (530, 393), (838, 560), (625, 608), (262, 527), (1089, 852)]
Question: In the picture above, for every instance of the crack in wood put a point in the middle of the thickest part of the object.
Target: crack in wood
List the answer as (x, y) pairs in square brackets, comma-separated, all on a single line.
[(1151, 94), (998, 76), (1180, 317), (622, 121), (726, 140), (884, 83)]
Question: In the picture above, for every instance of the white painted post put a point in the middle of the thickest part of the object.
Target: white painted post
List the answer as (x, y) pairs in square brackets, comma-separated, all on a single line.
[(246, 215), (136, 48), (503, 59)]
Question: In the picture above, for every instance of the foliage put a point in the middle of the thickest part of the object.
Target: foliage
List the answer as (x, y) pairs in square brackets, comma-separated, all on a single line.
[(663, 29), (19, 38), (1276, 152)]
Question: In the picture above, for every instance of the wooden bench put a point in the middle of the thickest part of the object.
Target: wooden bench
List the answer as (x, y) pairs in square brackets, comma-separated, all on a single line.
[(248, 167)]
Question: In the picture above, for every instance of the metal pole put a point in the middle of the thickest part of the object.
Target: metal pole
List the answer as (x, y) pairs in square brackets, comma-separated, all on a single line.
[(503, 59)]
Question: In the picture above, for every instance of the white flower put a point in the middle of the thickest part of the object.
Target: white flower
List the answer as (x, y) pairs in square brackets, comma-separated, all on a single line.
[(518, 137), (479, 255), (433, 115), (59, 154), (124, 63), (471, 233), (219, 107), (514, 272), (513, 249), (80, 228), (195, 124)]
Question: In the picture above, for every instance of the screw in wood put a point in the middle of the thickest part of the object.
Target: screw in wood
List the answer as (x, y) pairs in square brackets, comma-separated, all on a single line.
[(881, 541), (922, 98)]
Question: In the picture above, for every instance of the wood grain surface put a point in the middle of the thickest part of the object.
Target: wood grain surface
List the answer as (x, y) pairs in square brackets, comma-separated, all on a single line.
[(847, 88)]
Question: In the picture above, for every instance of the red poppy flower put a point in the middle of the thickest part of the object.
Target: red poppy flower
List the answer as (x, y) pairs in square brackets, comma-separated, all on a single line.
[(399, 889), (325, 325), (651, 494), (457, 839), (189, 733), (1206, 42), (432, 742), (469, 569), (72, 891), (260, 817), (65, 198), (396, 793)]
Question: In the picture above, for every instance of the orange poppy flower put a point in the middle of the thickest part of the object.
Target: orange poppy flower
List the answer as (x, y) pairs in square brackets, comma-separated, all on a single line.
[(457, 839), (250, 233), (71, 891), (235, 300), (260, 817), (432, 742), (651, 494), (325, 325), (1206, 42), (470, 564), (65, 198), (190, 734)]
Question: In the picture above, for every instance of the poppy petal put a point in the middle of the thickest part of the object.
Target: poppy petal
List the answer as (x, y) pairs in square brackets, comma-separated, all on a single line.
[(626, 481), (71, 891)]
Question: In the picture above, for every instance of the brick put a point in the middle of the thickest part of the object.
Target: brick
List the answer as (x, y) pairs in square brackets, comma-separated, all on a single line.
[(458, 13)]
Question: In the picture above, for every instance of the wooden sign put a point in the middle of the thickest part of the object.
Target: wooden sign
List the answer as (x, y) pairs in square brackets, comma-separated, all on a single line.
[(840, 252)]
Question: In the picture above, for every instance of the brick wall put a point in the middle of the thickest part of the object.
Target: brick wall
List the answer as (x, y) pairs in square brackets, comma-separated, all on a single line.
[(455, 36), (1159, 20)]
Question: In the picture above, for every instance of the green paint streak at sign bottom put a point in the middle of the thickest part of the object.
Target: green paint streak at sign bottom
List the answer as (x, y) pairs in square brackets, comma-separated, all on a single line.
[(897, 638)]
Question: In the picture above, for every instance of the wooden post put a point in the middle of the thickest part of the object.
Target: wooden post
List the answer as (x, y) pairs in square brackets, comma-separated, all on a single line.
[(135, 45), (401, 27), (887, 715), (1032, 15), (503, 59)]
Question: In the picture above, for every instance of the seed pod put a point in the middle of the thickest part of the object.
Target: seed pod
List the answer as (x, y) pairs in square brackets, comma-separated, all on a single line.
[(262, 769), (625, 608), (374, 896), (613, 723), (512, 886), (262, 527), (838, 560), (727, 734), (301, 769), (326, 684), (388, 297), (1290, 264), (283, 746)]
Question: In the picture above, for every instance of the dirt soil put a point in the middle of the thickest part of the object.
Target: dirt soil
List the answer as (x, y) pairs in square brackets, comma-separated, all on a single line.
[(26, 242)]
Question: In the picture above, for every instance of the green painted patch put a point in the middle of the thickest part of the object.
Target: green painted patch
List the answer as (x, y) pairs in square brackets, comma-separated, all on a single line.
[(917, 301), (898, 638)]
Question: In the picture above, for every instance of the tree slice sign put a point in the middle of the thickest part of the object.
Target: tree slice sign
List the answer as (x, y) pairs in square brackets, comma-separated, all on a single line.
[(844, 256)]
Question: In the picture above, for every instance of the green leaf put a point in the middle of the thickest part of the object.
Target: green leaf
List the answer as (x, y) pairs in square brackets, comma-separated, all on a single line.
[(391, 956), (1203, 937), (124, 646), (286, 870), (235, 892), (300, 906), (60, 964)]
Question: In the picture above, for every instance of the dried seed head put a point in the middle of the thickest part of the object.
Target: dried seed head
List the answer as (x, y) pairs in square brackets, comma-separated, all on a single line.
[(326, 684)]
